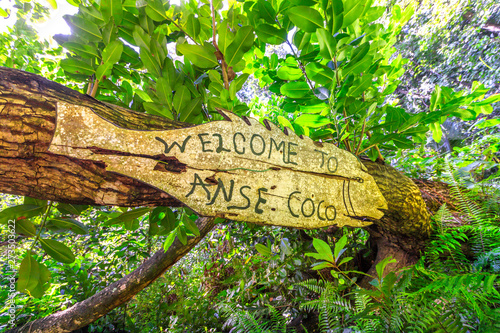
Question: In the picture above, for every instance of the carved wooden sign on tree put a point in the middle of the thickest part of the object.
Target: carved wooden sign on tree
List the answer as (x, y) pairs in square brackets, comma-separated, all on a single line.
[(237, 169)]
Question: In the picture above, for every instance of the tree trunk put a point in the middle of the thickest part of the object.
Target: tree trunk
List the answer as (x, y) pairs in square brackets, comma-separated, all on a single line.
[(85, 312), (27, 126)]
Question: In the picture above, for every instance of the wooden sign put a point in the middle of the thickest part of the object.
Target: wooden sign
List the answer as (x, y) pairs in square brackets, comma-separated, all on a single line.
[(237, 169)]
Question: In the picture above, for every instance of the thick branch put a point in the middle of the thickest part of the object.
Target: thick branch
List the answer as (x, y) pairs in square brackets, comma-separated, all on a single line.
[(83, 313)]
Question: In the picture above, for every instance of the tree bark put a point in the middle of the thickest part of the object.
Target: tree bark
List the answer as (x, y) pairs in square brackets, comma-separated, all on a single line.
[(27, 125), (85, 312)]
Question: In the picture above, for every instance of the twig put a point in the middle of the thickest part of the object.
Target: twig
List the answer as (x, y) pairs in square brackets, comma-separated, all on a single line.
[(361, 137)]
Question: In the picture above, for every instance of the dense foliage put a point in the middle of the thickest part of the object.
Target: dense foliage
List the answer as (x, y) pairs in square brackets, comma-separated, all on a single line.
[(336, 71)]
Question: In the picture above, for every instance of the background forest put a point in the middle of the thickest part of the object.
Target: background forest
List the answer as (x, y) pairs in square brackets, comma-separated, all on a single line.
[(413, 83)]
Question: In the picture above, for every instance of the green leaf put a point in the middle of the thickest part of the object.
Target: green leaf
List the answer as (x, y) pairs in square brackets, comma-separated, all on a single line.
[(181, 98), (359, 60), (57, 250), (488, 123), (353, 9), (192, 26), (192, 110), (339, 246), (84, 28), (112, 9), (436, 131), (164, 91), (29, 274), (112, 52), (312, 120), (201, 56), (321, 265), (3, 12), (181, 233), (25, 227), (225, 37), (284, 122), (141, 38), (151, 63), (270, 34), (380, 267), (243, 41), (323, 248), (70, 209), (156, 11), (191, 226), (266, 11), (305, 18), (85, 51), (69, 224), (327, 44), (44, 278), (319, 73), (337, 18), (295, 89), (360, 85), (77, 66), (264, 250), (289, 73), (110, 56), (128, 216), (170, 239), (20, 212)]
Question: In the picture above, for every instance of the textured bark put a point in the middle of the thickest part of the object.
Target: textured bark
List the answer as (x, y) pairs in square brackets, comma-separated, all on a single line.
[(117, 293), (27, 125)]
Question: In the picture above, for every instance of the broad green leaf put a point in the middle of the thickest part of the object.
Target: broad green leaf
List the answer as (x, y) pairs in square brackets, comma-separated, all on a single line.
[(70, 209), (84, 28), (151, 63), (192, 110), (170, 239), (86, 51), (190, 225), (112, 9), (112, 52), (141, 38), (337, 18), (25, 227), (128, 216), (436, 130), (266, 11), (181, 98), (339, 246), (490, 100), (242, 42), (488, 123), (69, 224), (359, 60), (164, 91), (131, 225), (312, 120), (239, 81), (4, 13), (324, 249), (44, 278), (110, 56), (360, 85), (264, 250), (289, 73), (129, 55), (192, 26), (181, 233), (156, 11), (321, 265), (401, 141), (284, 122), (353, 9), (20, 212), (76, 66), (380, 267), (295, 89), (29, 274), (319, 73), (305, 18), (327, 44), (57, 250), (201, 56), (270, 34), (224, 36)]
